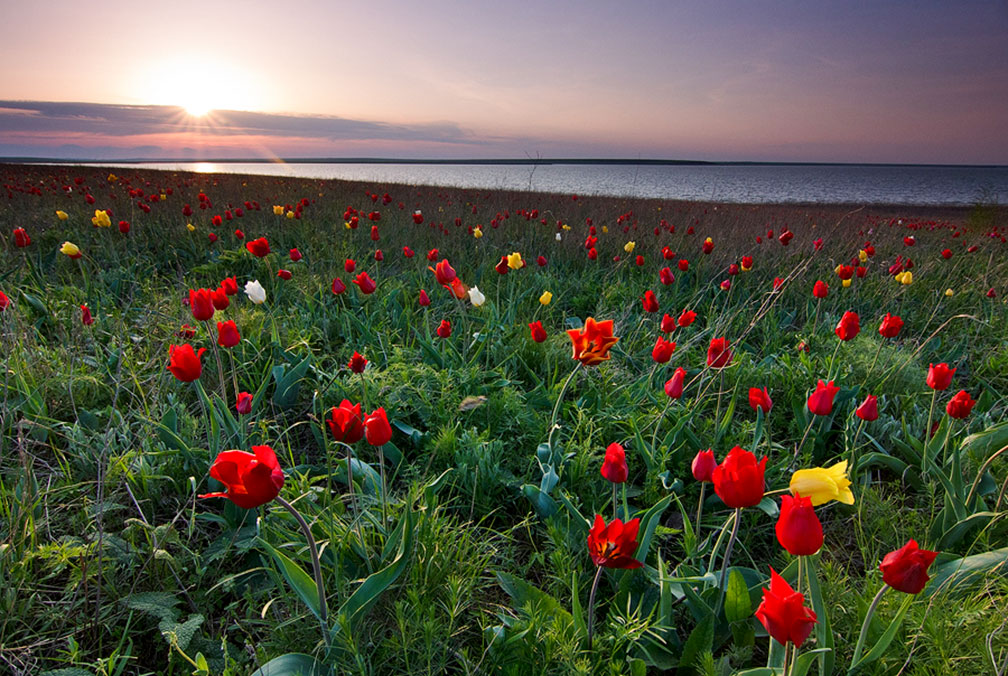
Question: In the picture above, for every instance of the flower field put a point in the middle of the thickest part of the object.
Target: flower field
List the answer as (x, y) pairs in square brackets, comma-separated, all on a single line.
[(279, 426)]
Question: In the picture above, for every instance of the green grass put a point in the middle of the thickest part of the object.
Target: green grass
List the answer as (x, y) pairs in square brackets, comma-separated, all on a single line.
[(112, 565)]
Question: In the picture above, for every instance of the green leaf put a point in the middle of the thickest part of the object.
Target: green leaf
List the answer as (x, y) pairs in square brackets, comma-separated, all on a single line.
[(576, 613), (982, 444), (523, 593), (884, 640), (956, 533), (700, 641), (649, 521), (804, 661), (823, 631), (966, 571), (738, 605), (300, 581), (367, 594), (292, 664), (288, 382)]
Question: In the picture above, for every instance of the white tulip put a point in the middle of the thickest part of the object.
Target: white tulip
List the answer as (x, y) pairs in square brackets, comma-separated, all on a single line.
[(476, 297), (558, 237), (255, 292)]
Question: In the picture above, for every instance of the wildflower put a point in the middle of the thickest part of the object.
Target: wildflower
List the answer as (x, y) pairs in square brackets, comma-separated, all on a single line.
[(939, 376), (613, 546), (255, 292), (906, 568), (649, 301), (849, 326), (537, 331), (515, 262), (820, 402), (798, 529), (545, 298), (738, 480), (377, 430), (591, 345), (345, 422), (251, 479), (868, 410), (258, 247), (822, 484), (243, 403), (960, 405), (444, 329), (703, 466), (783, 613), (70, 249), (760, 399), (227, 334), (674, 385), (890, 326), (185, 363), (476, 297), (663, 350), (718, 354), (614, 468), (364, 282)]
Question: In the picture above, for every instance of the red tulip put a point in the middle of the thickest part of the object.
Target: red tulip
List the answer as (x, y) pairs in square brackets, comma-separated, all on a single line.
[(295, 255), (432, 255), (760, 399), (777, 283), (725, 285), (890, 326), (201, 304), (906, 568), (614, 468), (783, 613), (674, 385), (649, 301), (502, 266), (364, 283), (124, 227), (665, 276), (444, 329), (718, 354), (251, 480), (212, 237), (683, 265), (785, 237), (357, 362), (423, 300), (257, 247), (592, 343), (707, 246), (338, 286), (686, 318), (960, 405), (668, 324), (820, 402), (229, 285), (220, 299), (374, 233), (798, 528), (849, 326), (345, 422), (185, 363), (350, 265), (243, 405), (946, 254), (407, 252), (377, 430), (86, 318), (284, 274), (662, 350), (444, 273), (227, 334), (703, 466), (378, 255), (820, 289), (613, 546), (939, 376), (868, 410), (738, 480), (541, 261), (537, 331), (4, 301)]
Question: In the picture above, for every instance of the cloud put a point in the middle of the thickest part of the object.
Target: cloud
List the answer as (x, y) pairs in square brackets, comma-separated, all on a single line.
[(72, 129)]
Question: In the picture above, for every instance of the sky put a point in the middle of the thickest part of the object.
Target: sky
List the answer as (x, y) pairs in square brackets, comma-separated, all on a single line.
[(901, 82)]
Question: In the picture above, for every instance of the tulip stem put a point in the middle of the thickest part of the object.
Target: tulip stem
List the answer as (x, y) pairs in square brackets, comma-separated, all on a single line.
[(801, 443), (836, 350), (614, 501), (726, 559), (872, 367), (699, 509), (316, 564), (220, 372), (853, 450), (381, 490), (864, 625), (626, 509), (927, 433), (591, 606), (717, 414), (556, 408)]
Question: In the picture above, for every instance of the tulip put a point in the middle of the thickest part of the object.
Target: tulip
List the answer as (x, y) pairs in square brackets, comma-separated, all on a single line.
[(101, 219), (541, 261), (88, 320), (820, 289), (185, 363), (890, 326), (591, 345), (357, 362), (444, 329), (377, 430), (848, 327), (614, 468), (229, 285), (423, 300), (62, 215), (649, 301), (760, 399), (738, 480), (686, 318), (70, 249), (545, 298), (444, 273), (668, 324), (822, 484), (227, 334), (251, 480), (613, 546), (258, 247), (537, 331), (868, 410), (366, 285), (663, 350), (350, 265), (718, 354), (683, 265), (515, 262), (820, 402), (708, 245), (665, 276), (476, 297), (408, 252), (629, 246), (21, 239), (4, 301), (798, 528), (255, 292), (939, 376), (783, 613), (345, 422), (201, 304), (703, 466), (295, 255), (243, 404), (960, 405), (906, 568), (674, 385)]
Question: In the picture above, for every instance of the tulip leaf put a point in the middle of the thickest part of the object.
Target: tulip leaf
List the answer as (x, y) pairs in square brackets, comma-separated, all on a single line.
[(804, 661), (738, 605), (823, 630), (982, 444), (366, 595), (760, 671), (292, 664), (523, 593), (288, 382), (769, 507), (649, 521), (576, 613), (967, 570), (579, 523), (885, 639), (544, 505), (300, 581), (700, 641)]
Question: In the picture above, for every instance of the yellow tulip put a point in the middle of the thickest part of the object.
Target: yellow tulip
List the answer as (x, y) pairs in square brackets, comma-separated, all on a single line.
[(862, 255), (605, 228), (514, 261), (845, 283), (545, 298), (477, 232), (278, 210), (347, 225), (907, 278), (629, 246), (290, 214), (112, 178), (190, 227), (949, 292), (163, 197), (822, 484), (62, 215), (101, 219), (566, 227), (70, 249)]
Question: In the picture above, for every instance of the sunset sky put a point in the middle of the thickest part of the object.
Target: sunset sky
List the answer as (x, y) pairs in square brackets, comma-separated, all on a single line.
[(913, 82)]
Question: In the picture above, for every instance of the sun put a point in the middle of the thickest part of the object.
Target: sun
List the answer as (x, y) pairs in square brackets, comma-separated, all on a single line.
[(196, 109), (198, 84)]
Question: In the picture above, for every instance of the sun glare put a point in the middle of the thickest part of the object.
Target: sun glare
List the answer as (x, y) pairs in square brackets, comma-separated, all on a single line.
[(198, 84)]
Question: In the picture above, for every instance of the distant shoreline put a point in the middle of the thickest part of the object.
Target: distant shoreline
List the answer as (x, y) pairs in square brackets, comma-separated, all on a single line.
[(474, 161)]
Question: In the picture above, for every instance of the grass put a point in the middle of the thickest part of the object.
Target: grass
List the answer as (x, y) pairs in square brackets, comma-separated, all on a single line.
[(112, 565)]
